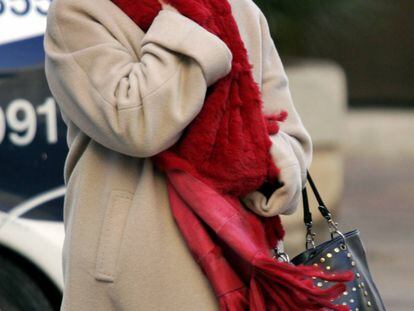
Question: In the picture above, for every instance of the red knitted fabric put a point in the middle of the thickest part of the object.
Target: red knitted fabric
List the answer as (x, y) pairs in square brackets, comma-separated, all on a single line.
[(224, 154)]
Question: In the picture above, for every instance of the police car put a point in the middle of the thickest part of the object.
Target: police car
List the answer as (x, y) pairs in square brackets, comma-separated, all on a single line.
[(32, 153)]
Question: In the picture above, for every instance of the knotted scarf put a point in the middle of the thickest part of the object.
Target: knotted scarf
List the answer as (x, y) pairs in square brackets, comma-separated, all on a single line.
[(224, 154)]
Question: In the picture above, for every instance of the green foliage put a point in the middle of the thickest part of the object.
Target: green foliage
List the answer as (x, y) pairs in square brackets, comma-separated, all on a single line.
[(301, 27)]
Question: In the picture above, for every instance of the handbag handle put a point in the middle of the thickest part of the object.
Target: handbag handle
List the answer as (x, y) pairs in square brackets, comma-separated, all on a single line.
[(307, 215)]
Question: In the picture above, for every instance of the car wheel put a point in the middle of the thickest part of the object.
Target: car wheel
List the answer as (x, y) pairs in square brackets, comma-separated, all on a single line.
[(18, 291)]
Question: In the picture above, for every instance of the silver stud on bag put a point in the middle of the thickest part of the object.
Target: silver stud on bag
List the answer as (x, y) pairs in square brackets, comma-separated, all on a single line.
[(326, 261)]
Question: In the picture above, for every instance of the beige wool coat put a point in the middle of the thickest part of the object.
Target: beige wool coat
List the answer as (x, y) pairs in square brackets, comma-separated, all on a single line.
[(126, 95)]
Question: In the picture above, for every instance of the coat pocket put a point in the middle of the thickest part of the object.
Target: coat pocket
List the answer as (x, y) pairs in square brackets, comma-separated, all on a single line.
[(112, 230)]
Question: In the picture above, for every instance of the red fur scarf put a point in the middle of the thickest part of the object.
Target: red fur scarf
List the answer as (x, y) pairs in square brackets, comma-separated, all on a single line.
[(224, 154)]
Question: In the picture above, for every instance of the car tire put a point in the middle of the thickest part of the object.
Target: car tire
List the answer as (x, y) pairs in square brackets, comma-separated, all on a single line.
[(18, 291)]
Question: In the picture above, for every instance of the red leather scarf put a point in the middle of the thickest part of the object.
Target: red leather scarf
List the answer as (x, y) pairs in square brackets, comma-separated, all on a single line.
[(223, 154)]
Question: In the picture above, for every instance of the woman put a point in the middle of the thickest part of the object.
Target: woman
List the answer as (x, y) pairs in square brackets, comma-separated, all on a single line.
[(127, 95)]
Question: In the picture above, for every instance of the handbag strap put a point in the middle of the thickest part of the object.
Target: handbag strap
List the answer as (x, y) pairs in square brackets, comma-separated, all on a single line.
[(307, 215), (307, 219)]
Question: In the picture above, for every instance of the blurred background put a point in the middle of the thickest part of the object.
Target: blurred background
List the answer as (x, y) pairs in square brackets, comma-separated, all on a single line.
[(351, 74), (351, 71)]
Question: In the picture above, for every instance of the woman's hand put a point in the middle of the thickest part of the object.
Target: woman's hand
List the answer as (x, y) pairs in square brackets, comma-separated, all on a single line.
[(166, 6), (285, 199)]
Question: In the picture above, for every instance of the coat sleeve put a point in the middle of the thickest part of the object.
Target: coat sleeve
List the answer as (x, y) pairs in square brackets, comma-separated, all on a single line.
[(292, 146), (131, 91)]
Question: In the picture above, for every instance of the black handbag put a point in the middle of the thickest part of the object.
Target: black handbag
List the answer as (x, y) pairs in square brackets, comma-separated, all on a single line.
[(344, 251)]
